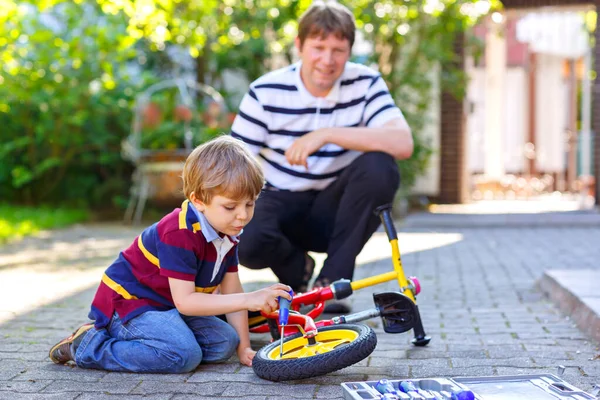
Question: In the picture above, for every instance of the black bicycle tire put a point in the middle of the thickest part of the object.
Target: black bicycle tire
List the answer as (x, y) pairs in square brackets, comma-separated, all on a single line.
[(320, 364)]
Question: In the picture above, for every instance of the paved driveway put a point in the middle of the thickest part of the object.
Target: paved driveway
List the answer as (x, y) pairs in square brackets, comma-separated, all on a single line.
[(479, 303)]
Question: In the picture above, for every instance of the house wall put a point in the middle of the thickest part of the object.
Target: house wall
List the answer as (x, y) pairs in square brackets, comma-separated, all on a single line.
[(514, 114), (551, 114)]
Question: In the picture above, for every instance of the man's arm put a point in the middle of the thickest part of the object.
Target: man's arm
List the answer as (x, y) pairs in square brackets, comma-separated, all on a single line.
[(394, 138)]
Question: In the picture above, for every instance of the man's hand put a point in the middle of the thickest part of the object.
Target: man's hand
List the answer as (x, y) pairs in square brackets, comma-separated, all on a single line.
[(266, 299), (304, 146), (246, 354)]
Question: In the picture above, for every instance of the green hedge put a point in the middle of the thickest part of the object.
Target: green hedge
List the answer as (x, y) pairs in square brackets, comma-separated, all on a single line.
[(16, 222)]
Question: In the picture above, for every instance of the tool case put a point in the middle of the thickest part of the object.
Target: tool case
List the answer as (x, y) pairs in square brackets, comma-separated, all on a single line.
[(512, 387)]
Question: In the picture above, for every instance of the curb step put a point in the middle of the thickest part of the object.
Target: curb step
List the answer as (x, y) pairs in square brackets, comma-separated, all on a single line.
[(576, 294)]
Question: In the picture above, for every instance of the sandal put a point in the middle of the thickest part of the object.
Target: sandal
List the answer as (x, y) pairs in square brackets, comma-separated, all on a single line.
[(321, 282), (309, 269)]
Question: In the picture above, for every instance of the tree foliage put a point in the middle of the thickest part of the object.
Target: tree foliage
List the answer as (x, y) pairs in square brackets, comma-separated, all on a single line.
[(70, 69)]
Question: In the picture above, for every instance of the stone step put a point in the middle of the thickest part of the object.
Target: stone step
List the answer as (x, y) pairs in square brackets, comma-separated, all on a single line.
[(577, 294)]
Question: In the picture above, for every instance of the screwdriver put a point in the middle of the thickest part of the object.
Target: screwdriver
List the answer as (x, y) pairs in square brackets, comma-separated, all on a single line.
[(284, 313)]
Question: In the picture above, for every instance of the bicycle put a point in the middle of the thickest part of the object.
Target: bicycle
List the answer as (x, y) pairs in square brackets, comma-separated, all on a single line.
[(316, 348)]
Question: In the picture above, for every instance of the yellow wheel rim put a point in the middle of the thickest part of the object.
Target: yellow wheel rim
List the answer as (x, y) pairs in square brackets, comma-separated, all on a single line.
[(326, 341)]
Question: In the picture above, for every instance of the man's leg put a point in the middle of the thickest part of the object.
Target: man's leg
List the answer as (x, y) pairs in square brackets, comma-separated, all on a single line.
[(265, 241), (155, 341), (342, 214)]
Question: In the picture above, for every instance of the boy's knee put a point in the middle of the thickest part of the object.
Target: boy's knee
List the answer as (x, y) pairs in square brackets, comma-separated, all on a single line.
[(223, 345), (184, 358), (232, 341)]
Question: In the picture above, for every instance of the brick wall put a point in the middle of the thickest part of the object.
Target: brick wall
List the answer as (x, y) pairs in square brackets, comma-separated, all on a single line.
[(453, 168)]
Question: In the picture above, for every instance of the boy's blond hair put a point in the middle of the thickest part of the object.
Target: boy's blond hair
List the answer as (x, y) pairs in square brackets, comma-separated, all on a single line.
[(222, 166)]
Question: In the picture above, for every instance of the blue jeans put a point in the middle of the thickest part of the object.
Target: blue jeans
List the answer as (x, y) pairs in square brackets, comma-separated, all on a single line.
[(157, 342)]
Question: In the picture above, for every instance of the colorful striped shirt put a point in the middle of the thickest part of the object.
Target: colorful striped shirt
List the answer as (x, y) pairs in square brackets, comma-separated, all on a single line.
[(278, 109), (182, 245)]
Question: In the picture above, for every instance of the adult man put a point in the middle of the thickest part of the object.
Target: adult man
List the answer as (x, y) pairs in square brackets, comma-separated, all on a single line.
[(327, 133)]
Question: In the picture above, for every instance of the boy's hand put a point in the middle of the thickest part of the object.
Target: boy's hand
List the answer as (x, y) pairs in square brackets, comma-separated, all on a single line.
[(246, 354), (266, 299)]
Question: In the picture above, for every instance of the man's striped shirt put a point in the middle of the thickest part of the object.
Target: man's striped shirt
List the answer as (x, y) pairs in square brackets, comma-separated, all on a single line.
[(278, 109), (180, 246)]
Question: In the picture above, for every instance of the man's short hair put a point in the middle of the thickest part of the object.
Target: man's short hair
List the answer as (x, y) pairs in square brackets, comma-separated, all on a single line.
[(222, 167), (324, 18)]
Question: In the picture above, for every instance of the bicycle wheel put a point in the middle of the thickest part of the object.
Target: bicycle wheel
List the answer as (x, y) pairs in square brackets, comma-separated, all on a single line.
[(336, 347)]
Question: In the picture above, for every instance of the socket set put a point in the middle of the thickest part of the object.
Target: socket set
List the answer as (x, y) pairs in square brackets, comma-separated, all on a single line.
[(512, 387)]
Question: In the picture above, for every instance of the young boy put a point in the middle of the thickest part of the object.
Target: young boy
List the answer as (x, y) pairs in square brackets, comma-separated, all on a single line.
[(154, 310)]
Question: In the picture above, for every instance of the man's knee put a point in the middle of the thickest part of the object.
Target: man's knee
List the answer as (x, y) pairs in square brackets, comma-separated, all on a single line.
[(252, 247), (378, 171)]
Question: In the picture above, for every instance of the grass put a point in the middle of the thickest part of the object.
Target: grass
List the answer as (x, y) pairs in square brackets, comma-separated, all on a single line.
[(17, 222)]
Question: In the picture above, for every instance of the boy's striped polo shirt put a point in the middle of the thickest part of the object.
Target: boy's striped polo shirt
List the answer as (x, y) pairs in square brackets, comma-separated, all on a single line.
[(179, 246), (278, 109)]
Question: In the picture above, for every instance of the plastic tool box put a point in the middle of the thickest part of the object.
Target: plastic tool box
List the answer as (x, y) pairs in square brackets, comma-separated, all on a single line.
[(515, 387)]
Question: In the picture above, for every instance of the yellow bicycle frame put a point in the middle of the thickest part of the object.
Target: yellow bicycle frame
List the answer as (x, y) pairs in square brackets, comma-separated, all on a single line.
[(397, 273)]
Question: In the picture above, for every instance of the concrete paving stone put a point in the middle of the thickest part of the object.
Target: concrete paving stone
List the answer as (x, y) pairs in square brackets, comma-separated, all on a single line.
[(21, 355), (300, 391), (62, 372), (466, 347), (389, 342), (30, 386), (439, 362), (364, 371), (36, 347), (6, 374), (517, 362), (10, 347), (124, 376), (500, 338), (426, 371), (554, 363), (390, 353), (469, 336), (591, 370), (549, 355), (394, 371), (122, 387), (38, 396), (331, 391), (207, 376), (333, 378), (473, 354), (200, 397), (507, 371), (534, 347), (206, 388), (105, 396)]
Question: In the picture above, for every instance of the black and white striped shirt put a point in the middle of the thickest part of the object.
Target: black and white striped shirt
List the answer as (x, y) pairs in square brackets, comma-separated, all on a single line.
[(278, 109)]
